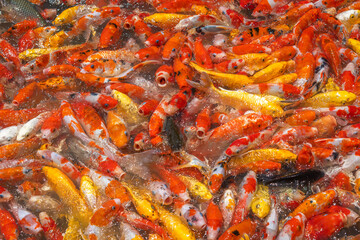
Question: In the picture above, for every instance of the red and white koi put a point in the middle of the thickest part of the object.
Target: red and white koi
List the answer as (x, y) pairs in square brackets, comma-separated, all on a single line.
[(250, 142), (51, 231), (294, 228), (193, 216), (28, 221), (161, 191), (61, 162), (30, 128), (214, 221), (272, 221), (247, 190)]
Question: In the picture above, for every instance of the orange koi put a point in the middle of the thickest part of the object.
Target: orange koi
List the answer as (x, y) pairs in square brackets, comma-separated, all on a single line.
[(77, 58), (9, 53), (62, 70), (244, 229), (315, 204), (19, 149), (331, 52), (305, 20), (8, 226), (18, 29), (172, 46), (243, 125), (149, 53), (158, 39), (186, 54), (22, 98), (202, 56), (182, 73), (323, 226), (203, 123), (104, 215), (132, 90), (111, 33), (148, 107)]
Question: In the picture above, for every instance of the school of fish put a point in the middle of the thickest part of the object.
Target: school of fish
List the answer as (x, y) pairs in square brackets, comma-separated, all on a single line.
[(180, 120)]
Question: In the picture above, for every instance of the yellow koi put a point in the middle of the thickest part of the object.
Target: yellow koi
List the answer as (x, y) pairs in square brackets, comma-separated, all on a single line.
[(196, 188), (274, 70), (253, 61), (354, 45), (69, 15), (260, 204), (154, 236), (73, 230), (68, 193), (174, 225), (330, 99), (31, 54), (240, 99), (127, 108), (231, 81), (88, 191), (234, 33), (142, 205), (165, 20), (270, 154), (286, 78), (204, 10), (56, 40), (330, 86)]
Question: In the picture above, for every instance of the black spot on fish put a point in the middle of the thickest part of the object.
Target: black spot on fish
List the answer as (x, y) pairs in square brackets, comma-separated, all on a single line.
[(113, 24), (251, 32), (271, 31)]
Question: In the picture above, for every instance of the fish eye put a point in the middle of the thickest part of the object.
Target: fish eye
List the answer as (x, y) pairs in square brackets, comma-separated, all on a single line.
[(147, 55), (157, 41), (53, 130), (113, 208), (235, 67), (92, 66), (111, 11), (106, 105), (173, 50)]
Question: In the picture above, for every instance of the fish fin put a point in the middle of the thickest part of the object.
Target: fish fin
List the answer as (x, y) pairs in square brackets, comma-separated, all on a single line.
[(205, 83)]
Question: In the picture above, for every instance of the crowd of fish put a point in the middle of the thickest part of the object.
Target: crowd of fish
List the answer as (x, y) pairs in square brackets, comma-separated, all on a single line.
[(172, 119)]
